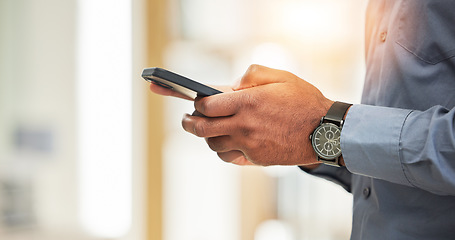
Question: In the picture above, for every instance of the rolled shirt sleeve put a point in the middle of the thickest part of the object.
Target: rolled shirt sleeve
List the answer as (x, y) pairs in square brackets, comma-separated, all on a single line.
[(411, 148)]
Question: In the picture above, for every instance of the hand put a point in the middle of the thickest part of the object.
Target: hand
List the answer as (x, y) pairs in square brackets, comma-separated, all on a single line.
[(266, 120)]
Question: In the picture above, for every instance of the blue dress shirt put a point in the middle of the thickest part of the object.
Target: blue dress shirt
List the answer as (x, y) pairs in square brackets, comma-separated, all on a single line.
[(399, 144)]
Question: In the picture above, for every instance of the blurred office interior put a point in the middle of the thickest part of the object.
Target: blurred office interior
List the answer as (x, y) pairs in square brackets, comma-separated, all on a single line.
[(87, 152)]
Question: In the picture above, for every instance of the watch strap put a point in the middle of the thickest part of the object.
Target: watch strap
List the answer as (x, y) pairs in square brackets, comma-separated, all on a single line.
[(333, 162), (336, 113)]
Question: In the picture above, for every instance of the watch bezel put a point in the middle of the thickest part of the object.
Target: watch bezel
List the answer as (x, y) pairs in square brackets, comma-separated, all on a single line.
[(332, 159)]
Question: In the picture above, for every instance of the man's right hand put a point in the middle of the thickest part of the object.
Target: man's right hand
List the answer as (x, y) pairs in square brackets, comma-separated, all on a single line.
[(266, 120)]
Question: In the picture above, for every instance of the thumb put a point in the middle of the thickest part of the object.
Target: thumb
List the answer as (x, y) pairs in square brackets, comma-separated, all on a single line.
[(257, 75)]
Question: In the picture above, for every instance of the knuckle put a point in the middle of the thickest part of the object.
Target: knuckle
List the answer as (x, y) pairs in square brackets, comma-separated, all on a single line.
[(249, 100), (253, 145), (186, 123), (245, 131), (249, 142), (226, 157), (215, 144), (200, 129), (254, 67), (201, 105), (250, 73)]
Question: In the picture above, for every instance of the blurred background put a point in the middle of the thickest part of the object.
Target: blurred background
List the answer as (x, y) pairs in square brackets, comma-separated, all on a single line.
[(87, 152)]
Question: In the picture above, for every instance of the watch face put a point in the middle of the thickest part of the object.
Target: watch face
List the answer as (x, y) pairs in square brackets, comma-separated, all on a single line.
[(326, 141)]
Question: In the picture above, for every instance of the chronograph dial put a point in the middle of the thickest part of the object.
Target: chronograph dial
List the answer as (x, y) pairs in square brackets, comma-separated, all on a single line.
[(326, 141)]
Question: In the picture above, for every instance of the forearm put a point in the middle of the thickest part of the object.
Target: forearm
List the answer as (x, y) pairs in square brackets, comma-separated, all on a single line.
[(402, 146)]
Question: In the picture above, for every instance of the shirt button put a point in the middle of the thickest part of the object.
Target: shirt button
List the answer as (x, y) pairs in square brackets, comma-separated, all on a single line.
[(366, 192), (383, 36)]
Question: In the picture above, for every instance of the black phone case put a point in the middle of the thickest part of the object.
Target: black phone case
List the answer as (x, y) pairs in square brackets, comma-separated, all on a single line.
[(176, 82)]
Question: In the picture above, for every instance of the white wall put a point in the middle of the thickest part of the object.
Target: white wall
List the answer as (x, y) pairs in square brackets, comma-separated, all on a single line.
[(38, 76), (37, 89)]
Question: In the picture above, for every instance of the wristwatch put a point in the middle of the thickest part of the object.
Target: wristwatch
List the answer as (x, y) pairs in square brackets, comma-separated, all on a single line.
[(326, 137)]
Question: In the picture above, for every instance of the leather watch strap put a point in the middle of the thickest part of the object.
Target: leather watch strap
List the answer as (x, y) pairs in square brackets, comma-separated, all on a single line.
[(336, 113)]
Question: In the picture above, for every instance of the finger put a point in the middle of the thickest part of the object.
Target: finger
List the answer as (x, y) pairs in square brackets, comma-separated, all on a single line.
[(220, 105), (167, 92), (235, 157), (224, 89), (257, 75), (206, 127), (220, 144), (198, 114)]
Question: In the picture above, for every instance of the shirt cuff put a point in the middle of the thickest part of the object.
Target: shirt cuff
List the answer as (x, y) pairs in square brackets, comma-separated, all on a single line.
[(370, 142), (337, 175)]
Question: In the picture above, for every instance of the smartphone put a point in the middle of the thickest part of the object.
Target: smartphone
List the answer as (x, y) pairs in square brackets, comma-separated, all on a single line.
[(178, 83)]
